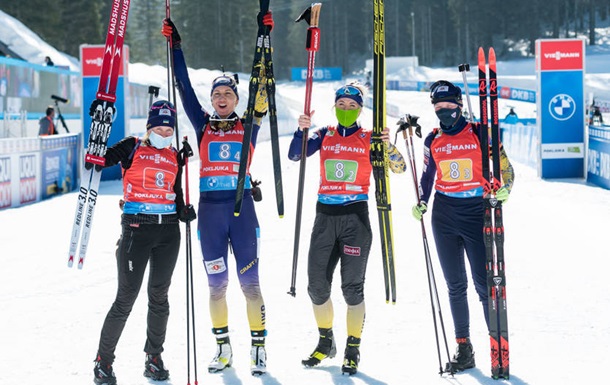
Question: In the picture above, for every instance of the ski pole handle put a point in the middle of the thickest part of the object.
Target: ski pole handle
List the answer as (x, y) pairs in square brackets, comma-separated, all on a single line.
[(463, 68)]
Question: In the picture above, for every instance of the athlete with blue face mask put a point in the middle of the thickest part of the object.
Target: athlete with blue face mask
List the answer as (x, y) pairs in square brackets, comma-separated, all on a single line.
[(453, 167), (342, 231)]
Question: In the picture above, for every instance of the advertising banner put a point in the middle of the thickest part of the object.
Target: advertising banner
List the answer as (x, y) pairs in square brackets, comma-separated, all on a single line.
[(6, 196), (561, 107), (91, 62), (328, 73), (598, 160)]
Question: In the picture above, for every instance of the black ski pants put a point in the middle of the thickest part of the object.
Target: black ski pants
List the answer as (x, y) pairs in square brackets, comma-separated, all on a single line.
[(139, 244), (339, 238)]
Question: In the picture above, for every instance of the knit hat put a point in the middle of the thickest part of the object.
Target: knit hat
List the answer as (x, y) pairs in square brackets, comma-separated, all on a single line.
[(161, 113), (444, 91), (349, 91), (227, 81)]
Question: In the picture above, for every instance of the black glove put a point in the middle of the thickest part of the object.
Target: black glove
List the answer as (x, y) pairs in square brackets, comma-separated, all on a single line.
[(187, 214), (185, 152), (257, 194), (169, 30), (96, 110)]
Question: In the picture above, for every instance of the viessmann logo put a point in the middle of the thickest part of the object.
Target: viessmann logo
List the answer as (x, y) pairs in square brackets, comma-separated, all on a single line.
[(558, 55), (95, 62)]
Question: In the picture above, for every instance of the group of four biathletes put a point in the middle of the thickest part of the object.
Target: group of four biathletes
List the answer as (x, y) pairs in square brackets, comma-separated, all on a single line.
[(154, 205)]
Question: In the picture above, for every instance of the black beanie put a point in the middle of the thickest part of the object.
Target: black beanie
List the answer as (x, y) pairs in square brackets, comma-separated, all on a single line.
[(444, 91), (161, 113)]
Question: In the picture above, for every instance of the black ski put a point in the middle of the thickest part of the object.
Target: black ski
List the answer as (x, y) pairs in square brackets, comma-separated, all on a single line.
[(262, 66), (275, 137), (493, 225), (379, 154)]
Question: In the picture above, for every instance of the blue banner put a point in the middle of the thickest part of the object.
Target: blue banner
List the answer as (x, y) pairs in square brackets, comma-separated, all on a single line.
[(561, 112), (598, 159), (324, 73), (562, 124), (90, 85)]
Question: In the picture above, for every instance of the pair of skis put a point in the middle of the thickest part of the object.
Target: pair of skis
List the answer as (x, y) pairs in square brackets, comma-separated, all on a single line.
[(102, 113), (379, 153), (262, 67), (493, 227)]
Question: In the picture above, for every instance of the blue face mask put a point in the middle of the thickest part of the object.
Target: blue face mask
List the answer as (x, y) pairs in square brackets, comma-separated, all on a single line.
[(448, 116), (158, 141)]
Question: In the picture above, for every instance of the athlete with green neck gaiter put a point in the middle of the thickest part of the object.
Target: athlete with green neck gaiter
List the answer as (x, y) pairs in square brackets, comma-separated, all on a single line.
[(341, 234)]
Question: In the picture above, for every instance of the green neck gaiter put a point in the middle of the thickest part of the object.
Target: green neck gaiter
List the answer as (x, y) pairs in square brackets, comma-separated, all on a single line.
[(347, 117)]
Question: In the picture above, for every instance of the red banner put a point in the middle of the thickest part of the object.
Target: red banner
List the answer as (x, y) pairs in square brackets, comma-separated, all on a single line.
[(91, 60), (557, 55)]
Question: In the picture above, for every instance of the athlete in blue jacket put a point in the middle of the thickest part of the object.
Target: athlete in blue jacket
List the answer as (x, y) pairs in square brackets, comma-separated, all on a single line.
[(453, 167), (219, 139)]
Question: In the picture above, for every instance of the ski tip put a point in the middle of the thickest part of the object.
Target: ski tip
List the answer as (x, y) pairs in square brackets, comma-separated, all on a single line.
[(481, 55), (492, 54), (71, 261)]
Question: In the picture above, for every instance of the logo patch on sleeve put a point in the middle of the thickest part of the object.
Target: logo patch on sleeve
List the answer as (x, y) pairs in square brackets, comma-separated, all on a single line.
[(351, 250), (216, 266)]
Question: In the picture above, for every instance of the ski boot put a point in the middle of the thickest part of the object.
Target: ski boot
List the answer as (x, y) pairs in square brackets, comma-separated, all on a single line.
[(352, 356), (224, 355), (154, 368), (103, 373), (326, 349), (258, 355), (463, 358)]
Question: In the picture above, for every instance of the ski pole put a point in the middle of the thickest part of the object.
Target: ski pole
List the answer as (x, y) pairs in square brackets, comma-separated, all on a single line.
[(153, 91), (463, 68), (311, 15), (405, 124), (187, 152), (171, 86)]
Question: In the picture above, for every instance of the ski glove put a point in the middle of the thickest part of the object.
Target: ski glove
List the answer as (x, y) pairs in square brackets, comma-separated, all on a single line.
[(419, 210), (502, 194), (397, 162), (261, 103), (187, 214), (169, 30), (266, 19)]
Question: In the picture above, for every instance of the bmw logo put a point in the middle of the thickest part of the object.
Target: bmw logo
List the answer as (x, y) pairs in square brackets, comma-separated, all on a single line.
[(562, 107)]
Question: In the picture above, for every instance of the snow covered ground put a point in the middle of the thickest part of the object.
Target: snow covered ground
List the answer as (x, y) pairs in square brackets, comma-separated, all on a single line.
[(556, 252)]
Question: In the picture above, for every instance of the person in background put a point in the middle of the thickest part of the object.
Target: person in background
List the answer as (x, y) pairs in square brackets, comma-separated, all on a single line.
[(48, 62), (46, 126), (219, 138), (342, 231), (153, 205), (457, 213), (510, 119), (598, 119)]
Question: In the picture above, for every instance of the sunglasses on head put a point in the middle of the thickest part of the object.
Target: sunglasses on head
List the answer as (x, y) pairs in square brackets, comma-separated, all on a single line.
[(348, 91), (164, 105), (219, 124)]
